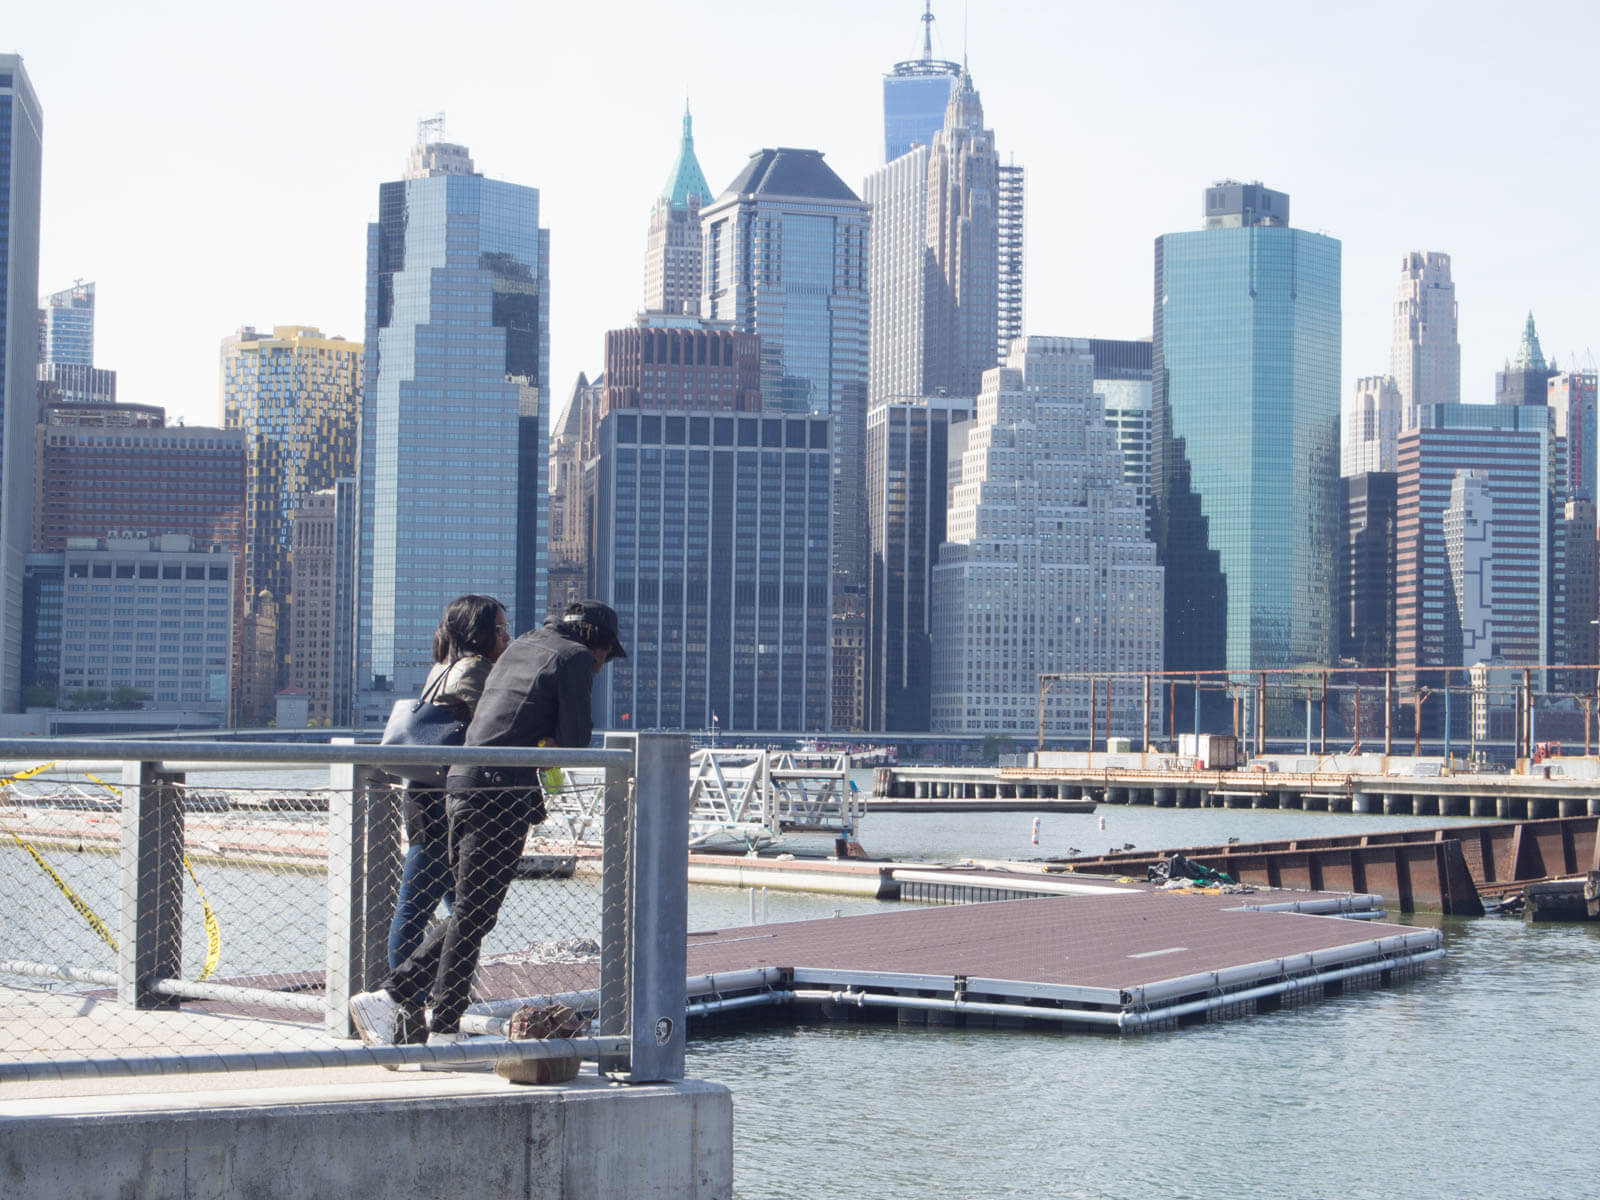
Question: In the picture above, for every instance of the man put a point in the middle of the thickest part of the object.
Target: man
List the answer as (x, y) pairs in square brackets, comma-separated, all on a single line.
[(537, 694)]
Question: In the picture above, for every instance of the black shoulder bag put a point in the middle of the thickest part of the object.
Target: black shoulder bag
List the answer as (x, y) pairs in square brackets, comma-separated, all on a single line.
[(421, 722)]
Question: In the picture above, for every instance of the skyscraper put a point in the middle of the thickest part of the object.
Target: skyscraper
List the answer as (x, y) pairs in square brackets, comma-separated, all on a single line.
[(1045, 566), (453, 410), (1369, 425), (1425, 353), (908, 445), (1506, 449), (915, 95), (21, 153), (66, 326), (946, 251), (898, 278), (786, 250), (319, 619), (1572, 402), (1525, 378), (964, 241), (1122, 381), (296, 395), (1246, 410), (672, 260), (716, 560)]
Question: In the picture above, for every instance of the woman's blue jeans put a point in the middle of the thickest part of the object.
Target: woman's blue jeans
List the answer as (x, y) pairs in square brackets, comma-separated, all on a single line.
[(425, 878)]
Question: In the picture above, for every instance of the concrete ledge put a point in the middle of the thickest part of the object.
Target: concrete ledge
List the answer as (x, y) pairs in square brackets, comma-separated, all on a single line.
[(412, 1134)]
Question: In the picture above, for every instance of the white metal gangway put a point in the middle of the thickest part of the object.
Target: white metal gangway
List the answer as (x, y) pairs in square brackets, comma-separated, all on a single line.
[(752, 797)]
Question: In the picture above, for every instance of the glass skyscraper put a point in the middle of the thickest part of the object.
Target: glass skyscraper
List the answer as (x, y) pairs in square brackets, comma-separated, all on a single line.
[(915, 95), (66, 326), (21, 154), (453, 410), (1245, 493), (715, 556)]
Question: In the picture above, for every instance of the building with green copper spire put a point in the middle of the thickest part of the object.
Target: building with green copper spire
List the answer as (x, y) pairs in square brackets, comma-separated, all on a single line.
[(1526, 378), (672, 251)]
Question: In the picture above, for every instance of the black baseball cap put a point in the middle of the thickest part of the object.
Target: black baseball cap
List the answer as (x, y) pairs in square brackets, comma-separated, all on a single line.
[(603, 617)]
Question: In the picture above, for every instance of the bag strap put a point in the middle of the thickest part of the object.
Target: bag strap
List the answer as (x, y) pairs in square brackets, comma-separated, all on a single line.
[(433, 689)]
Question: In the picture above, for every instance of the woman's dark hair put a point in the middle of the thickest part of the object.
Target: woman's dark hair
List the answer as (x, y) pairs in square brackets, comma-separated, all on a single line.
[(467, 627)]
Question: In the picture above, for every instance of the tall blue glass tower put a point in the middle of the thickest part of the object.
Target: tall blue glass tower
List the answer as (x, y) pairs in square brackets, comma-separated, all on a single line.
[(21, 156), (451, 460), (915, 95), (1245, 477)]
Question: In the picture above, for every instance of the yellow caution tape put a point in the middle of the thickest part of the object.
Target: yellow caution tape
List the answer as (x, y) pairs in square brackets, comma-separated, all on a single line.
[(77, 901), (207, 917), (87, 913), (213, 933)]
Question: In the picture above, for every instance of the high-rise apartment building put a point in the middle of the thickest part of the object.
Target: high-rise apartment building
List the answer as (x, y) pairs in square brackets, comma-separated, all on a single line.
[(297, 396), (21, 154), (1046, 566), (786, 258), (716, 560), (319, 619), (1369, 426), (1506, 449), (1245, 498), (1525, 378), (672, 260), (66, 326), (907, 479), (1572, 403), (915, 95), (1425, 352), (453, 411)]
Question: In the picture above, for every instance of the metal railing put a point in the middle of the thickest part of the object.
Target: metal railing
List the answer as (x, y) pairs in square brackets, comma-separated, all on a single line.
[(753, 797), (300, 883)]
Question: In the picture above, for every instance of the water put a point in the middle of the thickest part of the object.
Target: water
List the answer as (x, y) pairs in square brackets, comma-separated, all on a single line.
[(1476, 1080)]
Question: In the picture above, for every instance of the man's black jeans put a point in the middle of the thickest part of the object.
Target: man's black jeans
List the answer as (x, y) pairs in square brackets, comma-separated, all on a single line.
[(488, 826)]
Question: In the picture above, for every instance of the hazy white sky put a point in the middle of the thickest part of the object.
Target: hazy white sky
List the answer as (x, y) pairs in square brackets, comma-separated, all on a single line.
[(211, 165)]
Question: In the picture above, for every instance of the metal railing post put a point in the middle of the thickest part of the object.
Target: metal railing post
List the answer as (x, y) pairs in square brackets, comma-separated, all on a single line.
[(614, 901), (150, 923), (658, 907), (363, 877)]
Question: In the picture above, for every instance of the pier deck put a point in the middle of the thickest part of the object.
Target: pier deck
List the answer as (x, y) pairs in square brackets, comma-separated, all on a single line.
[(1113, 955)]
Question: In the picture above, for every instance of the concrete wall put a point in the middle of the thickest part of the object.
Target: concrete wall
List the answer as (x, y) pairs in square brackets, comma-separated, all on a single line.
[(422, 1135)]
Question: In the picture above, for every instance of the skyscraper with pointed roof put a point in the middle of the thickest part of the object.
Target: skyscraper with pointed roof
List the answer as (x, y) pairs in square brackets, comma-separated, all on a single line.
[(1526, 378), (672, 252), (1425, 352)]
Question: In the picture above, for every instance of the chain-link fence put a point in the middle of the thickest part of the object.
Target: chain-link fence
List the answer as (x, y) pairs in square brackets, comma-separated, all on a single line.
[(180, 907)]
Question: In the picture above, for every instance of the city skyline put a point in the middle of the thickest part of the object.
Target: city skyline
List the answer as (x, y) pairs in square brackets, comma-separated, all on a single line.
[(1302, 123)]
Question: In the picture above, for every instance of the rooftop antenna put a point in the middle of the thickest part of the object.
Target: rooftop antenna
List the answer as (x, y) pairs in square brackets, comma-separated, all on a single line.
[(964, 10), (927, 30)]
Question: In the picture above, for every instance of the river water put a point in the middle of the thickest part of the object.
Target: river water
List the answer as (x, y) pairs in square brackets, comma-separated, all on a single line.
[(1481, 1078)]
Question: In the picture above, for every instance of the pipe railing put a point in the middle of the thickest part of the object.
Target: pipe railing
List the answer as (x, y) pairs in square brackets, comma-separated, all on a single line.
[(643, 890)]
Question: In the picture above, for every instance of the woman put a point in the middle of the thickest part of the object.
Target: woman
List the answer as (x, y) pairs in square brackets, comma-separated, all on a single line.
[(472, 634)]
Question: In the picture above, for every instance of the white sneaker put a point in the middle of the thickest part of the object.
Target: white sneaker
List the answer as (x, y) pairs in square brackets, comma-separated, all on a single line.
[(375, 1014), (448, 1039), (437, 1040)]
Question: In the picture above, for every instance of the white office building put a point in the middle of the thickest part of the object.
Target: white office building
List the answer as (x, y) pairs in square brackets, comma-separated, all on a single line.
[(1046, 567)]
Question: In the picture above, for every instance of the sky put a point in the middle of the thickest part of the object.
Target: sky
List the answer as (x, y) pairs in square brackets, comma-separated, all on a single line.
[(214, 165)]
